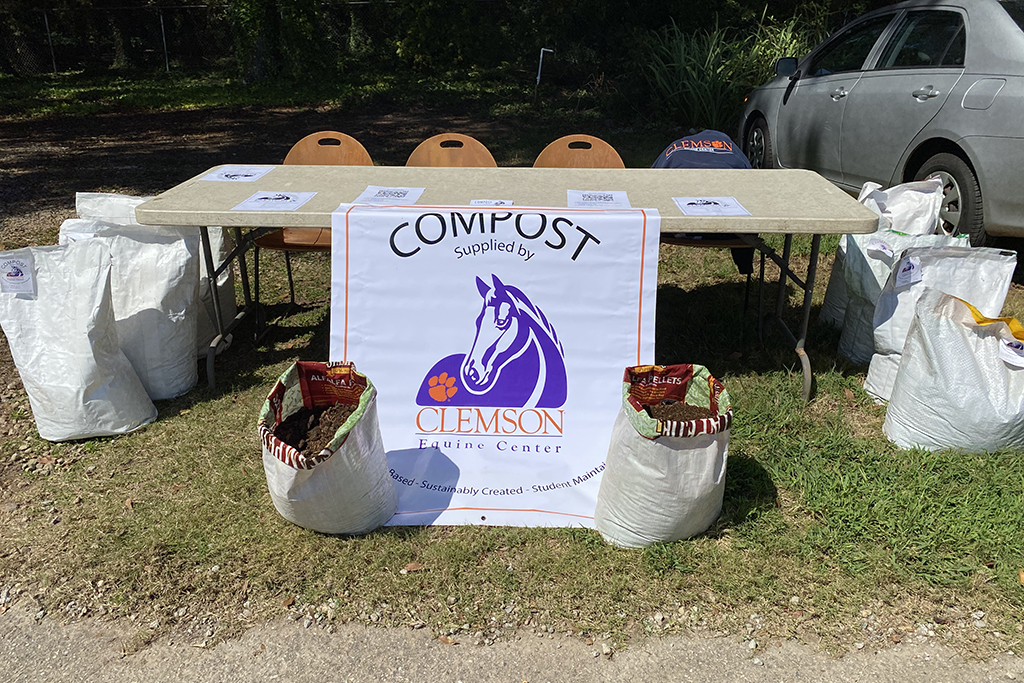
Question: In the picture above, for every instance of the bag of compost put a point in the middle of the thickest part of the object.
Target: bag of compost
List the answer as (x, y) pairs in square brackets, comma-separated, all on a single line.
[(322, 450), (960, 383), (664, 476)]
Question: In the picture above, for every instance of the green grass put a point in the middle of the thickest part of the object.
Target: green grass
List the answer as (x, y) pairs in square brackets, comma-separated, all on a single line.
[(823, 519)]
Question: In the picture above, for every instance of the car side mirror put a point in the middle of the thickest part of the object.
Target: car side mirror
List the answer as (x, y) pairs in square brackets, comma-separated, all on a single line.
[(786, 66)]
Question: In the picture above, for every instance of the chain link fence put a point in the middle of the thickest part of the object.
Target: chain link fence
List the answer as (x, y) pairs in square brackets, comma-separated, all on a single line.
[(180, 38), (588, 36)]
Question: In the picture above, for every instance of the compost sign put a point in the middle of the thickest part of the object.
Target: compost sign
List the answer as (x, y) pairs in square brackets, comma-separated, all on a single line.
[(496, 338)]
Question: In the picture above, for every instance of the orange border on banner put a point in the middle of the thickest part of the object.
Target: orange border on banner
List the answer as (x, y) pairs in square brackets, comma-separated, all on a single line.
[(640, 302), (643, 242)]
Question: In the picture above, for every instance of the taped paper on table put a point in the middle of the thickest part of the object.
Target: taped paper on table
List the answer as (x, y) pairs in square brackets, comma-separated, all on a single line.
[(491, 202), (710, 206), (274, 201), (391, 196), (597, 199), (238, 174), (492, 336)]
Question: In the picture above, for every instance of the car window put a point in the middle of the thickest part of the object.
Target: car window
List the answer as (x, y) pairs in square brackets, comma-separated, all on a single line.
[(849, 49), (923, 39)]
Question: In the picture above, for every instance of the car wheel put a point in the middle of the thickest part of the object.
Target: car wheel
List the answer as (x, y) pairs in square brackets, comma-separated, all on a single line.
[(961, 212), (758, 145)]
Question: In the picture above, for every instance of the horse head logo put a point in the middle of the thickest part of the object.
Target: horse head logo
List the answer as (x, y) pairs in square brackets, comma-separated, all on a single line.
[(515, 360)]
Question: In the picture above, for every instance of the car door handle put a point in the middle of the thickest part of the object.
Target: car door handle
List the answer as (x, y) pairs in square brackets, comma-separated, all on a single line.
[(839, 93), (927, 92)]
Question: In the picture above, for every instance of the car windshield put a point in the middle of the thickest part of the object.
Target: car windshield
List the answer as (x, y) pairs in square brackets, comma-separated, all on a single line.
[(1015, 8)]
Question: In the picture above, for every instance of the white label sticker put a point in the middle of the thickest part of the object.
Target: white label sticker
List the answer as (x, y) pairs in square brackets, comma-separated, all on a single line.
[(597, 199), (1012, 351), (16, 275), (710, 206), (238, 174), (392, 196), (880, 247), (490, 202), (908, 271), (274, 201)]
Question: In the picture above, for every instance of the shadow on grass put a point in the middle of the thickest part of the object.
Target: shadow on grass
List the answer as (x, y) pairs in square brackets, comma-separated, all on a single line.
[(238, 368), (707, 325), (749, 491)]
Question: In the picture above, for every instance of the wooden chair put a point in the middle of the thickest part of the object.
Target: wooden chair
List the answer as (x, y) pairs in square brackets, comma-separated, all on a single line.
[(579, 151), (451, 149), (324, 148)]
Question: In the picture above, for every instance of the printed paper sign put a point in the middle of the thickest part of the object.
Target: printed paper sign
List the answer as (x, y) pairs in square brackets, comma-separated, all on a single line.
[(1012, 351), (908, 271), (597, 199), (238, 174), (490, 202), (16, 274), (274, 201), (710, 206), (394, 196), (497, 340)]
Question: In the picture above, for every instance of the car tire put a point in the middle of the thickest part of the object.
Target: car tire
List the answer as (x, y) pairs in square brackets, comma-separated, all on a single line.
[(961, 211), (757, 145)]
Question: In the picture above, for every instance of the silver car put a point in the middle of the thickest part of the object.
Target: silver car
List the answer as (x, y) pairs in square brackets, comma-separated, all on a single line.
[(905, 92)]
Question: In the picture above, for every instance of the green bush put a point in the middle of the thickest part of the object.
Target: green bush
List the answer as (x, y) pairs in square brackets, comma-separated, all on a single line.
[(699, 78)]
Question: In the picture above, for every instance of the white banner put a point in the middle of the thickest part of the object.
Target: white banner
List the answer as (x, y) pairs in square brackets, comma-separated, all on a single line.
[(497, 339)]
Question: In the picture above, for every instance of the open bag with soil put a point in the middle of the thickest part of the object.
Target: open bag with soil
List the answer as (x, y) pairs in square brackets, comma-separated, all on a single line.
[(322, 450), (664, 476)]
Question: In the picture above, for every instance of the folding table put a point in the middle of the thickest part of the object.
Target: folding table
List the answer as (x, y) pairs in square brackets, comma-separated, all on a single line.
[(788, 202)]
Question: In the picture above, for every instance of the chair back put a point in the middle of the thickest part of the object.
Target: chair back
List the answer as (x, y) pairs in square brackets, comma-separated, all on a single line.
[(451, 149), (579, 151), (328, 148)]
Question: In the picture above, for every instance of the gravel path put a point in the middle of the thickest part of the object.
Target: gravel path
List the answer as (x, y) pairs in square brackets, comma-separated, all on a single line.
[(91, 650)]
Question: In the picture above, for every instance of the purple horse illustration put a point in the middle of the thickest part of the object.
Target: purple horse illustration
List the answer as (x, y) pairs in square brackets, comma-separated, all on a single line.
[(516, 359)]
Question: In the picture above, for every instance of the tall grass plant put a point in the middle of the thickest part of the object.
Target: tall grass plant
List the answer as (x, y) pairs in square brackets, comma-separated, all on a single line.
[(699, 78)]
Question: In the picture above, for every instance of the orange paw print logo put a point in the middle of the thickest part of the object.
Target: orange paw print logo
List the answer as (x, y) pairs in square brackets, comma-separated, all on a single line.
[(442, 387)]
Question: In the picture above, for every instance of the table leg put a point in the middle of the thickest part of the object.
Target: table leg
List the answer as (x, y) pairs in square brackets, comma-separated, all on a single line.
[(211, 282), (760, 301), (812, 271), (242, 270), (780, 300), (807, 284)]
